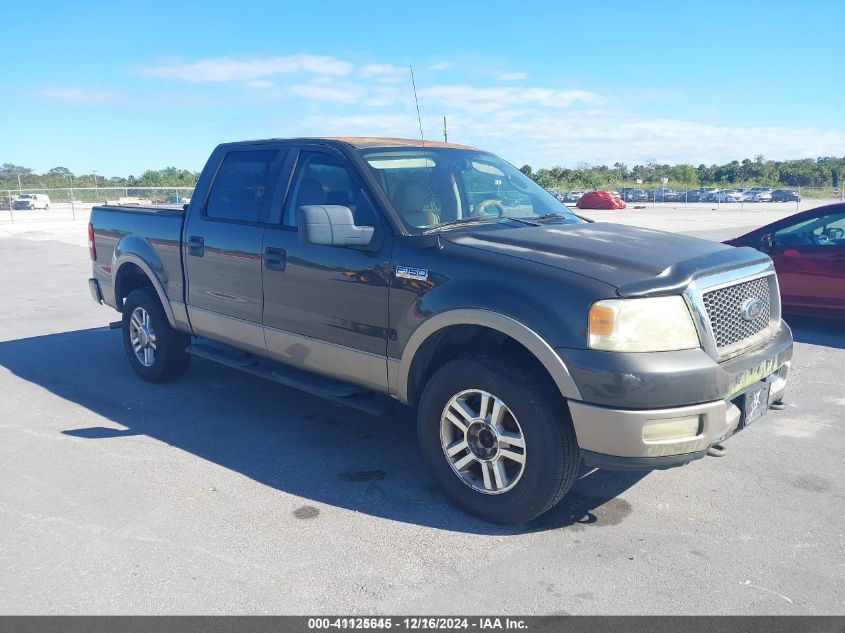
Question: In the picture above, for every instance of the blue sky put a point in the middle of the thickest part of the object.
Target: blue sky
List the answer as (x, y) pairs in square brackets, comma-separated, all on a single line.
[(125, 86)]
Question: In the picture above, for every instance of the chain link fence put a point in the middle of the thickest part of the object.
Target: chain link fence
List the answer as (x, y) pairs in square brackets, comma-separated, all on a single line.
[(29, 205)]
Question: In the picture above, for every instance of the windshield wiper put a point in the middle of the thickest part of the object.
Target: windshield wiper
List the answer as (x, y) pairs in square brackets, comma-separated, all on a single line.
[(529, 221), (548, 216), (560, 216), (471, 220)]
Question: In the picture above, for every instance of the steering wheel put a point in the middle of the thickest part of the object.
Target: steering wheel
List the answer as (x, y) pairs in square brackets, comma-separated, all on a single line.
[(480, 209)]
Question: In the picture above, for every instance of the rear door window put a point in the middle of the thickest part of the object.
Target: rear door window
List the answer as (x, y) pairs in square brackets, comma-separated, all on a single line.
[(239, 188)]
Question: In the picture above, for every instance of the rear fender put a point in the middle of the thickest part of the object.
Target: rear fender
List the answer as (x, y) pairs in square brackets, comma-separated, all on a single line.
[(132, 249)]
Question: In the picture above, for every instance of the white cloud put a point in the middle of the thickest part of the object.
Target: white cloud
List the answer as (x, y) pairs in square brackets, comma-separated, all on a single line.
[(223, 69), (544, 139), (395, 124), (512, 76), (383, 96), (260, 84), (484, 99), (387, 73), (82, 96), (327, 92), (536, 124)]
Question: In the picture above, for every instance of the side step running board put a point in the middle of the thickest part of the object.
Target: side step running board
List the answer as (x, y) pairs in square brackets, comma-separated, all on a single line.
[(221, 355), (326, 388)]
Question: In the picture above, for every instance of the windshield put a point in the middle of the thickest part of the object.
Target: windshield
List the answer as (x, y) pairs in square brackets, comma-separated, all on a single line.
[(432, 188)]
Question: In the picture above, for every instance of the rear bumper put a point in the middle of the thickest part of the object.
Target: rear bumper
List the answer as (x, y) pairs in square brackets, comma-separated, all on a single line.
[(614, 439), (94, 287)]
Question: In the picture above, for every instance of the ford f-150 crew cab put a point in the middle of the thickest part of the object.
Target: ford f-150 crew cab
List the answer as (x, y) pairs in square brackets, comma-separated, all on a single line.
[(528, 339)]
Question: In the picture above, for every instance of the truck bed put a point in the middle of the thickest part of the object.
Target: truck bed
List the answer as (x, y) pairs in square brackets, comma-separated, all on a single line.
[(153, 233)]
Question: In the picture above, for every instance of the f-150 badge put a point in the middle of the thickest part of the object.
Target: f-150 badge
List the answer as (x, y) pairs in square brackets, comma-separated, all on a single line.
[(409, 272)]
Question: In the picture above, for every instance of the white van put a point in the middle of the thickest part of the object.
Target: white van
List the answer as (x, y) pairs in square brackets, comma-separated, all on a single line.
[(32, 201)]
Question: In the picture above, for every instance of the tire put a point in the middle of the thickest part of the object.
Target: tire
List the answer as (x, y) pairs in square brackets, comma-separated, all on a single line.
[(534, 410), (162, 356)]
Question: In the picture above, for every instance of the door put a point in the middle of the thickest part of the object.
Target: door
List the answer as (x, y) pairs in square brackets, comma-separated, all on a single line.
[(810, 260), (325, 307), (222, 249)]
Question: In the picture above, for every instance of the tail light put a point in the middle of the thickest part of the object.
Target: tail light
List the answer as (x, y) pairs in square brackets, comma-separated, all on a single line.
[(92, 248)]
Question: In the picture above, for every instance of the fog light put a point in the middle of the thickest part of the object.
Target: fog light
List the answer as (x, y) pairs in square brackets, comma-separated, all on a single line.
[(671, 428)]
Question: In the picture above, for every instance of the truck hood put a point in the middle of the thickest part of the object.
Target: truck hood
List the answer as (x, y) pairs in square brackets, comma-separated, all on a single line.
[(635, 260)]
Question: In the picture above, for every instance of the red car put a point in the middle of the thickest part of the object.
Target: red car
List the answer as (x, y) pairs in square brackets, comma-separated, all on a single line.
[(808, 249)]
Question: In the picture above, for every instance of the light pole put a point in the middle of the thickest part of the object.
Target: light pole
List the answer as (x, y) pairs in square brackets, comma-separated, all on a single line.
[(19, 181), (94, 171), (72, 203)]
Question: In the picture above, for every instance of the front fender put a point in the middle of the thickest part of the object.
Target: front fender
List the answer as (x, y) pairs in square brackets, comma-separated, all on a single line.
[(518, 331)]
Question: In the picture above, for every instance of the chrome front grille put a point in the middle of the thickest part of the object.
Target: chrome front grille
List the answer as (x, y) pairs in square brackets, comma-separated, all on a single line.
[(724, 308)]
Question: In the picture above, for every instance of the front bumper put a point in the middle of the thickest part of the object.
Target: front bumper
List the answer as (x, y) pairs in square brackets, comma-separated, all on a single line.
[(613, 439), (660, 380), (624, 392)]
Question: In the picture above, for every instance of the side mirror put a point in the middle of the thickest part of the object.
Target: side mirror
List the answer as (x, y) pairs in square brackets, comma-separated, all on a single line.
[(331, 225)]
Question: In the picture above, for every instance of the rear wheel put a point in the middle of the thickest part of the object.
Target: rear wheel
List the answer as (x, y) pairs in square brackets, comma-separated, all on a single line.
[(497, 438), (155, 350)]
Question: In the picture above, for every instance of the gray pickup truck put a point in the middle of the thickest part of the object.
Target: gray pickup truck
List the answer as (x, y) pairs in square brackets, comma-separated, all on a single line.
[(528, 339)]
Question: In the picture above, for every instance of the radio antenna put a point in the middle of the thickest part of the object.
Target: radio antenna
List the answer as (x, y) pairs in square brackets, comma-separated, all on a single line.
[(417, 102)]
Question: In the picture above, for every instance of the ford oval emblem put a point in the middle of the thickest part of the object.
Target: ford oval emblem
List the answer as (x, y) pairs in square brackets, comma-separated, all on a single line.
[(752, 308)]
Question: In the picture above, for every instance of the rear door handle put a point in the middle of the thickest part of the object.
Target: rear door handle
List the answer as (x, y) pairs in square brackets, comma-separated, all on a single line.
[(275, 258), (196, 246)]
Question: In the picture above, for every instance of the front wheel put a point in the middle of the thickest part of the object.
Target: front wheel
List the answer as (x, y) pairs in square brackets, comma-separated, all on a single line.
[(497, 438), (155, 350)]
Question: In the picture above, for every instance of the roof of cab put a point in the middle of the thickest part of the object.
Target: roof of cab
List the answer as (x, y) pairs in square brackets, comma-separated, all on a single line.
[(360, 142)]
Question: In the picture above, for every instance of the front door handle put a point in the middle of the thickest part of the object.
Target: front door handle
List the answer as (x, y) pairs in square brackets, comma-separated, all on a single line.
[(275, 258), (196, 246)]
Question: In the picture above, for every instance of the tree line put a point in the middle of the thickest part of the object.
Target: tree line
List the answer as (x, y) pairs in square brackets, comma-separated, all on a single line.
[(62, 177), (820, 172)]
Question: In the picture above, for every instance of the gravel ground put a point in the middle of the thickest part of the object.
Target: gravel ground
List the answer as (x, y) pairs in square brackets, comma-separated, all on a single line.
[(221, 493)]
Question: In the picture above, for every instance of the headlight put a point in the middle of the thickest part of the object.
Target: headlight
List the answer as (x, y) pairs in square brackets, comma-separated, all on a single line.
[(653, 324)]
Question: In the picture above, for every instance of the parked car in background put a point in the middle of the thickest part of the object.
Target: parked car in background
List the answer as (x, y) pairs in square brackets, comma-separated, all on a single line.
[(633, 195), (728, 195), (664, 195), (573, 196), (808, 249), (691, 195), (31, 201), (758, 194), (129, 201), (707, 193), (785, 195)]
